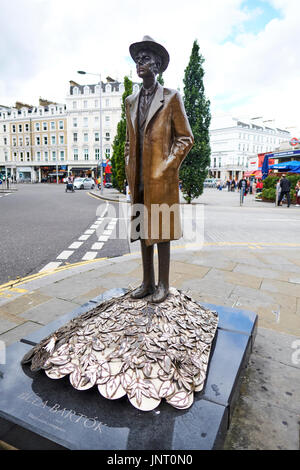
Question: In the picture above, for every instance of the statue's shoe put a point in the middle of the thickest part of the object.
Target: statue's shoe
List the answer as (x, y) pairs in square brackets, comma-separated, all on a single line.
[(142, 291), (160, 294)]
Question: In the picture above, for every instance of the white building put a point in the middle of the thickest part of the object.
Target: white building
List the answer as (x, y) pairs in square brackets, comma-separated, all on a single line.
[(236, 142), (83, 116)]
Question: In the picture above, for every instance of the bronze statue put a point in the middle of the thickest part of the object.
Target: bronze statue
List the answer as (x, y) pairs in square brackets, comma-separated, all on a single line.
[(158, 139)]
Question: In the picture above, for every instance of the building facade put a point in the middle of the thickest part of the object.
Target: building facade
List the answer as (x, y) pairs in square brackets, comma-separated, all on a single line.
[(33, 141), (83, 116), (235, 143)]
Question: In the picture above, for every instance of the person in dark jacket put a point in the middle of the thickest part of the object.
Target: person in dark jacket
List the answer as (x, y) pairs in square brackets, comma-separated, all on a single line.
[(285, 185)]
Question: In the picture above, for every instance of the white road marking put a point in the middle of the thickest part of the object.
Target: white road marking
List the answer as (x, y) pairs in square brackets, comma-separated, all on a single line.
[(75, 245), (65, 254), (94, 226), (103, 238), (50, 266), (107, 232), (89, 255), (89, 232), (84, 237), (97, 246)]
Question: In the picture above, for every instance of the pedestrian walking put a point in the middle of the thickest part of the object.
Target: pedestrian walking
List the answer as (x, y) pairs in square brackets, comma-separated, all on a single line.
[(285, 186), (228, 183), (232, 185), (297, 192)]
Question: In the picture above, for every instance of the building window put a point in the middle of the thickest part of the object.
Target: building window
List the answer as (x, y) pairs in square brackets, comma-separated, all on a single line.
[(107, 103), (107, 153), (22, 156), (53, 140), (45, 140), (6, 156), (75, 154), (20, 127), (60, 110), (52, 125), (41, 112), (15, 156), (96, 119), (74, 104), (62, 155), (97, 154), (61, 124), (38, 156), (14, 141), (53, 156), (37, 140), (96, 136), (86, 154), (26, 127), (75, 136), (21, 141), (86, 90), (107, 136), (107, 118), (27, 141), (4, 127), (14, 128), (85, 122), (46, 156), (5, 140), (85, 137), (37, 126), (74, 122), (85, 104), (61, 139), (45, 126)]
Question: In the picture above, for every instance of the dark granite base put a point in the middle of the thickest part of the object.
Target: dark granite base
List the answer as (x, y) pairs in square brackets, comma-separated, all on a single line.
[(39, 413)]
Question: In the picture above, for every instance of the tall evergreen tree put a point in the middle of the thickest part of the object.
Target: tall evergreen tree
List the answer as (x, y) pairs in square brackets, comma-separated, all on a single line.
[(194, 168), (117, 160), (160, 79)]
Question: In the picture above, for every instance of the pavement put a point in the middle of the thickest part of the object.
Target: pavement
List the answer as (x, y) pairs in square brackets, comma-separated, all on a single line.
[(264, 279)]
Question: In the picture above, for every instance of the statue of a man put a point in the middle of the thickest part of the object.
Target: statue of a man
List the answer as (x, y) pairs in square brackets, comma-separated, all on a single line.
[(158, 139)]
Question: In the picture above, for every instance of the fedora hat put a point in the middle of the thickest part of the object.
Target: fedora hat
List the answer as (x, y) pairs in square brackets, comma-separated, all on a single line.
[(149, 43)]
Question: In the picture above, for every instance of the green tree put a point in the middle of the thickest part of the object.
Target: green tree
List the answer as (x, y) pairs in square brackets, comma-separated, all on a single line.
[(160, 79), (117, 160), (194, 168)]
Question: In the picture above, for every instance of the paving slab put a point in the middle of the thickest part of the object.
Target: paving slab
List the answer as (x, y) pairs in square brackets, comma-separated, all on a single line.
[(49, 311)]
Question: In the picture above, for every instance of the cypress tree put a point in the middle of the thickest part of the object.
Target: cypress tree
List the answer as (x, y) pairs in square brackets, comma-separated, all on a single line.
[(194, 168), (117, 160)]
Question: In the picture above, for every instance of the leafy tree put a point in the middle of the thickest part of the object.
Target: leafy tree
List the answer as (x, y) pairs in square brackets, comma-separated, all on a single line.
[(160, 79), (117, 160), (194, 168)]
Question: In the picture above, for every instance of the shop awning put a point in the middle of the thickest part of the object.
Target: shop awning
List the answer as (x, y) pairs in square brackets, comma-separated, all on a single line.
[(256, 173)]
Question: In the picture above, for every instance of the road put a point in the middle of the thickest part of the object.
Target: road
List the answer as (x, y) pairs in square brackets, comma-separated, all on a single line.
[(42, 227), (39, 224)]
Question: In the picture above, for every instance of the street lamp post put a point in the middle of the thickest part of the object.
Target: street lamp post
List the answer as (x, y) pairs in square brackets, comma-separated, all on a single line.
[(100, 123)]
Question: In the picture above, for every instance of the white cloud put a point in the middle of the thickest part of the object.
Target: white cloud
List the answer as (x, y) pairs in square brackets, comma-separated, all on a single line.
[(44, 43)]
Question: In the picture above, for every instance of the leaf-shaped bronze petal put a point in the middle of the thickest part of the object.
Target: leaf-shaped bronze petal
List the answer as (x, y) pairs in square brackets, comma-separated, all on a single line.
[(67, 368), (147, 369), (112, 386), (167, 388), (59, 360), (181, 400), (75, 377), (54, 373)]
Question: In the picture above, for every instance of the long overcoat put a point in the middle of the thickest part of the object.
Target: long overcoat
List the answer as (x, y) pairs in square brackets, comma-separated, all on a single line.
[(167, 140)]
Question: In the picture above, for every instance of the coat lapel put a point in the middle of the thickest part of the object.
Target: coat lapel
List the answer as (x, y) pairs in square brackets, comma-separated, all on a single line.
[(134, 110), (157, 103)]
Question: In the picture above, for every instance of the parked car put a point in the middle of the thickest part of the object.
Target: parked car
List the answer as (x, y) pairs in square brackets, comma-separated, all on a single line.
[(84, 183), (210, 183)]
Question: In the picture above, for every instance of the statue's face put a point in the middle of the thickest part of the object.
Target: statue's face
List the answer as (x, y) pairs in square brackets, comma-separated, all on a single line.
[(146, 64)]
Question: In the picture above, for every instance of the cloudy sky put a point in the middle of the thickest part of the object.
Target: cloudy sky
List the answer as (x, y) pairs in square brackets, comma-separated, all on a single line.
[(252, 64)]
